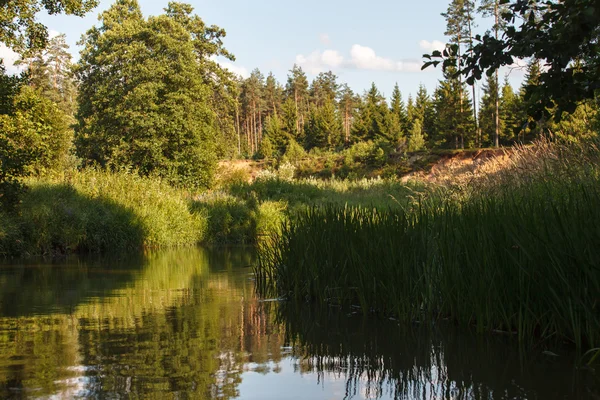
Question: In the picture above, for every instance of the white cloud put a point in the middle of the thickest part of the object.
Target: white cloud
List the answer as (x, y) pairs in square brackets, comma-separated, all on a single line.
[(238, 70), (361, 57), (9, 57), (318, 61), (432, 46), (325, 39), (365, 58)]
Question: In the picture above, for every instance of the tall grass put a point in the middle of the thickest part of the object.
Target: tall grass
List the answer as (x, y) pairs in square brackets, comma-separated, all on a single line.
[(518, 254), (93, 210)]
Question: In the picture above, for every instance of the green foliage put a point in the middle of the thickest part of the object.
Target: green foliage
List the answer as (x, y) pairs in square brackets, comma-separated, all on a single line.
[(49, 71), (293, 152), (35, 138), (266, 151), (145, 93), (562, 34), (96, 211), (18, 26), (236, 220), (324, 129), (275, 137), (38, 128), (416, 141), (454, 124), (373, 118)]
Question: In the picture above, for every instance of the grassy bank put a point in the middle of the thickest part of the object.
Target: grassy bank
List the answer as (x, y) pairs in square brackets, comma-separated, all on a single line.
[(517, 251), (91, 210), (98, 211)]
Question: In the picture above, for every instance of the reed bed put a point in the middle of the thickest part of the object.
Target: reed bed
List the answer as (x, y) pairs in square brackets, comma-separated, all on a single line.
[(519, 254)]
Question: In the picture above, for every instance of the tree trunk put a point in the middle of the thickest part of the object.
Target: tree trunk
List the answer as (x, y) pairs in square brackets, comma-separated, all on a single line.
[(497, 131)]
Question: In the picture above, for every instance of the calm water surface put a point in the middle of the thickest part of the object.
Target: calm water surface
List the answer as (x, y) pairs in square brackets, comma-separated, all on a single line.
[(187, 324)]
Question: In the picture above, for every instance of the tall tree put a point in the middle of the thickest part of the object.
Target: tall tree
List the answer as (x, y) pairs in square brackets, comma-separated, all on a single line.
[(397, 108), (145, 93), (459, 20), (324, 128), (424, 112), (454, 123), (347, 104), (511, 114), (297, 89), (559, 33), (494, 8), (273, 95), (372, 116), (489, 119), (324, 88)]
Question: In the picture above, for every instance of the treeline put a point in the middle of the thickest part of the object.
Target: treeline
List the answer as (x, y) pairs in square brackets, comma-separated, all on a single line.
[(148, 95), (327, 114)]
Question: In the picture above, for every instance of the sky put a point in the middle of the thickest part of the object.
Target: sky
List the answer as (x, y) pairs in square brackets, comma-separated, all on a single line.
[(380, 41)]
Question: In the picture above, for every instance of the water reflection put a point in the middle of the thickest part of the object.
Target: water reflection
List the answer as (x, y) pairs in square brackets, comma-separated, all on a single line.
[(186, 324), (382, 359)]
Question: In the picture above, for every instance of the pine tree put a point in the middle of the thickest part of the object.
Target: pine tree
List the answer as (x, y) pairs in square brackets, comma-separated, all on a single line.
[(276, 136), (397, 108), (535, 125), (424, 112), (324, 128), (454, 123), (488, 121), (511, 114), (297, 89), (459, 21), (273, 95), (253, 105), (324, 88), (372, 117), (495, 9), (347, 105)]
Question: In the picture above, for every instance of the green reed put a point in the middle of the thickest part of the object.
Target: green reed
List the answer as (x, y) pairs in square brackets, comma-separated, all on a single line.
[(524, 259)]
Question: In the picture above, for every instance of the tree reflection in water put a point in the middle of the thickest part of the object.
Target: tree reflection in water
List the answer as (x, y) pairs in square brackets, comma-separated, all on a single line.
[(186, 323)]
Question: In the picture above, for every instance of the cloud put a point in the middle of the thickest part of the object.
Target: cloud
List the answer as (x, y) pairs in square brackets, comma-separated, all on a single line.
[(361, 57), (238, 70), (9, 57), (325, 39), (432, 46), (318, 61)]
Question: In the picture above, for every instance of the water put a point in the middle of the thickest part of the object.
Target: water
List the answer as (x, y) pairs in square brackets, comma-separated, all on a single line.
[(186, 324)]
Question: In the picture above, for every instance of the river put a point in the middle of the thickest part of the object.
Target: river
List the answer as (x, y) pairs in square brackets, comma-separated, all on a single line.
[(186, 323)]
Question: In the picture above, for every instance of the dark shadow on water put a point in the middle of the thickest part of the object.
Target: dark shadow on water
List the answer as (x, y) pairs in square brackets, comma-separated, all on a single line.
[(425, 362)]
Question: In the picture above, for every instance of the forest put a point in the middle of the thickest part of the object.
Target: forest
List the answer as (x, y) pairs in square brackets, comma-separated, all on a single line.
[(125, 149)]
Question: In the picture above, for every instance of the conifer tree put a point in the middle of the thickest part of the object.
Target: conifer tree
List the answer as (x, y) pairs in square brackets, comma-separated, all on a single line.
[(324, 88), (511, 114), (397, 108), (372, 116), (297, 89), (454, 119), (489, 122), (347, 105), (324, 129), (273, 95)]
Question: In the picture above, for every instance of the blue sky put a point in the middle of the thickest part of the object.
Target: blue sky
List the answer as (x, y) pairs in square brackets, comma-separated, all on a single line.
[(377, 41)]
